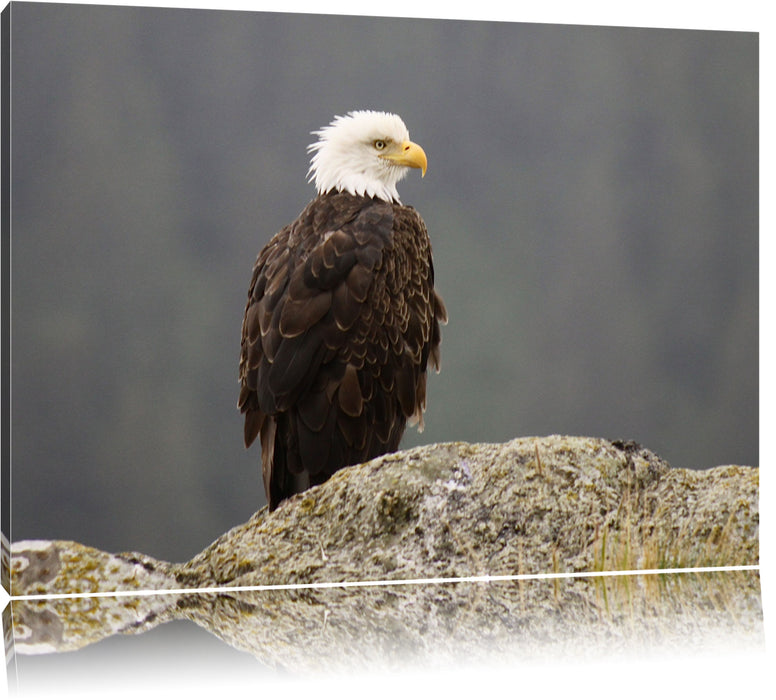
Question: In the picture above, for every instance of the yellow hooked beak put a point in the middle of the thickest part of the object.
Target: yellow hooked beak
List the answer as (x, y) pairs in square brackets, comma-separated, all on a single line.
[(409, 154)]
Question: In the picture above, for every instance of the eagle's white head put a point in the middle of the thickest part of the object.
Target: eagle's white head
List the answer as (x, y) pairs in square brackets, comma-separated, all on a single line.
[(364, 153)]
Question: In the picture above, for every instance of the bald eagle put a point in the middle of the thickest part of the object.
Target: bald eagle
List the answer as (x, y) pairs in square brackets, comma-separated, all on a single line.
[(342, 319)]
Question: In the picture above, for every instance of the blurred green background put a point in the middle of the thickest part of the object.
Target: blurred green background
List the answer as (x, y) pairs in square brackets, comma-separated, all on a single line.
[(591, 198)]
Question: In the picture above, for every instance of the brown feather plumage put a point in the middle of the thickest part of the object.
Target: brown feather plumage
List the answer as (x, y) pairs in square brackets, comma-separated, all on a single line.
[(341, 323)]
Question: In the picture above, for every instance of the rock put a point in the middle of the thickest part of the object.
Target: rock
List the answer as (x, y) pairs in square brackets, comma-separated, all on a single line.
[(426, 533), (532, 505)]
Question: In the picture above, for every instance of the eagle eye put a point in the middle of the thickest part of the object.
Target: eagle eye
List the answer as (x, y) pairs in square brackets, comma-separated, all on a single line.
[(380, 145)]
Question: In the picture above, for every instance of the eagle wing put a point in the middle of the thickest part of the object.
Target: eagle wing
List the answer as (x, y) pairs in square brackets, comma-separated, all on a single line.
[(341, 322)]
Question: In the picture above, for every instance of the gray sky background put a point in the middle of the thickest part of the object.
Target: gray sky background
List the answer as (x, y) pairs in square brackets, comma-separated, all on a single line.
[(592, 198)]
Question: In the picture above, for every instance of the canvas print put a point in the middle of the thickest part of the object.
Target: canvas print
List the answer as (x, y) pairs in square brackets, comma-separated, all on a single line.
[(462, 314)]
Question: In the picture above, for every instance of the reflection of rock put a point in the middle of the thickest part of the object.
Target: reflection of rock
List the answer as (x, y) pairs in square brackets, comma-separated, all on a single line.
[(396, 626), (66, 624), (326, 629), (37, 631), (529, 506)]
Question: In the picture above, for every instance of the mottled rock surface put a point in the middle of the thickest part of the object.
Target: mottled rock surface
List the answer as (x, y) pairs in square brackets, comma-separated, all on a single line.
[(530, 506)]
